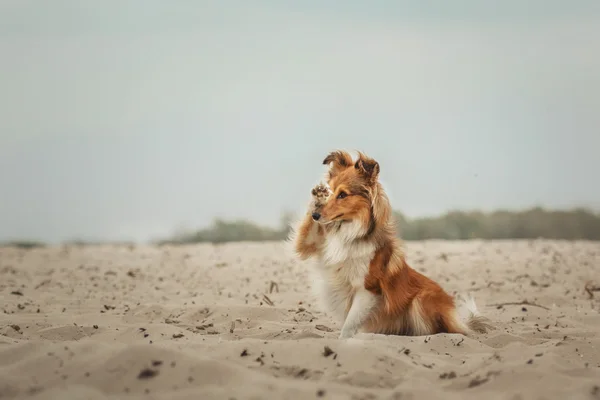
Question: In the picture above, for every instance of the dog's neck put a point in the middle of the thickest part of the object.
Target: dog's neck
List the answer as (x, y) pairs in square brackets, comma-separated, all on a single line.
[(347, 242)]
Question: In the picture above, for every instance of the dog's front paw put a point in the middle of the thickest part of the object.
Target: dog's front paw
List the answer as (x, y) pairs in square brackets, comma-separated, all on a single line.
[(320, 194), (346, 334)]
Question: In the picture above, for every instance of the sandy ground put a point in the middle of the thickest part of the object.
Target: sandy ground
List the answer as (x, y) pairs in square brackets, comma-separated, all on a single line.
[(238, 321)]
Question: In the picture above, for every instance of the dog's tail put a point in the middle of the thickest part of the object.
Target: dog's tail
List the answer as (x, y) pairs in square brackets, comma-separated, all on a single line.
[(471, 317)]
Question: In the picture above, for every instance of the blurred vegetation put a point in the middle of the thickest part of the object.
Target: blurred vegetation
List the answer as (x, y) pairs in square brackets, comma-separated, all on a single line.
[(577, 224), (233, 231), (23, 244), (30, 244), (87, 242)]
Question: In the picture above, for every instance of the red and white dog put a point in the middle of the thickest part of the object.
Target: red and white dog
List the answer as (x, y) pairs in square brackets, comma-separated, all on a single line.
[(365, 280)]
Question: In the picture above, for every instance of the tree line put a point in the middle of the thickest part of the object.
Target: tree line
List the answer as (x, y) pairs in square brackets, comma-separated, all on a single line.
[(575, 224)]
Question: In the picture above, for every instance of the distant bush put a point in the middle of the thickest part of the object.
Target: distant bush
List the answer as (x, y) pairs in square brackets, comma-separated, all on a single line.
[(91, 243), (455, 225), (23, 244), (528, 224), (229, 231)]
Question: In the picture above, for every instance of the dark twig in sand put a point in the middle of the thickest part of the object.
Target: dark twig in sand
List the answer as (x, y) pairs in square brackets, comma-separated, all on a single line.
[(275, 286), (147, 373), (324, 328), (477, 381), (518, 303), (42, 283), (590, 288), (268, 300), (327, 351)]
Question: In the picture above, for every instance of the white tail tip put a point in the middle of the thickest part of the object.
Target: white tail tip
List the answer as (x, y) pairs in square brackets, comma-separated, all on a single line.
[(470, 315)]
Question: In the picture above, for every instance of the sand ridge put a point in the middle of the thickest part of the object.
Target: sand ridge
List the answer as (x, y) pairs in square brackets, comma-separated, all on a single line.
[(238, 321)]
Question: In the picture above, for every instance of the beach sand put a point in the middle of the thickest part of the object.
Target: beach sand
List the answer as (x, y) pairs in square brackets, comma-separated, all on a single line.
[(238, 321)]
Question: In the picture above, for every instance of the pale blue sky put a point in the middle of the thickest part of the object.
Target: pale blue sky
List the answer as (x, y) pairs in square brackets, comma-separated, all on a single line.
[(128, 119)]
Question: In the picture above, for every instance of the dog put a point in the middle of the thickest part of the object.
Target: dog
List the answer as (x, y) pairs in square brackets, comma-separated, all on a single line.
[(364, 278)]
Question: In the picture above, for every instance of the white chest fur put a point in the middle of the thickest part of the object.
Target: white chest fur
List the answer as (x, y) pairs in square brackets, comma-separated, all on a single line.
[(342, 268)]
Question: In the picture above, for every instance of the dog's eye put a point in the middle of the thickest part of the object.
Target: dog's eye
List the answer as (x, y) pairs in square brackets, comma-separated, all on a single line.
[(342, 195)]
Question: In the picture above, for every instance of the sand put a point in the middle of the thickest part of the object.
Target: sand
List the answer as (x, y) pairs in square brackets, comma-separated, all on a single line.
[(239, 321)]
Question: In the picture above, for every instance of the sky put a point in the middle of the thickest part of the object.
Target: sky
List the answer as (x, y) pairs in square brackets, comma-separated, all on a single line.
[(128, 120)]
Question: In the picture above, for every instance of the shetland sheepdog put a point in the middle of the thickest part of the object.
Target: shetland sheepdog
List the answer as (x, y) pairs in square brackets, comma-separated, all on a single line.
[(364, 278)]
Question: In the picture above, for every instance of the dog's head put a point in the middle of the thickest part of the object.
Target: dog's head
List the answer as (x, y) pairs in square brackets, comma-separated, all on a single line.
[(356, 195)]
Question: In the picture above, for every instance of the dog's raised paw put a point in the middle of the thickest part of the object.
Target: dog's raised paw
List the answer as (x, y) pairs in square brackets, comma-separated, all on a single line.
[(320, 194)]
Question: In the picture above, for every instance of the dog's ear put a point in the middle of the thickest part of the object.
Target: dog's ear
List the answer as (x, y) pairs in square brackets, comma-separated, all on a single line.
[(367, 167), (337, 161)]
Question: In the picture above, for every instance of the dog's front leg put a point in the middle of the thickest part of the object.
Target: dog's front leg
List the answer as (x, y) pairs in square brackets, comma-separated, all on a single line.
[(308, 237), (363, 303)]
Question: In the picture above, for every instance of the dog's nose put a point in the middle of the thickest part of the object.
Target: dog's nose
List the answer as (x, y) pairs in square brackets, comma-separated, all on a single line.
[(316, 216)]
